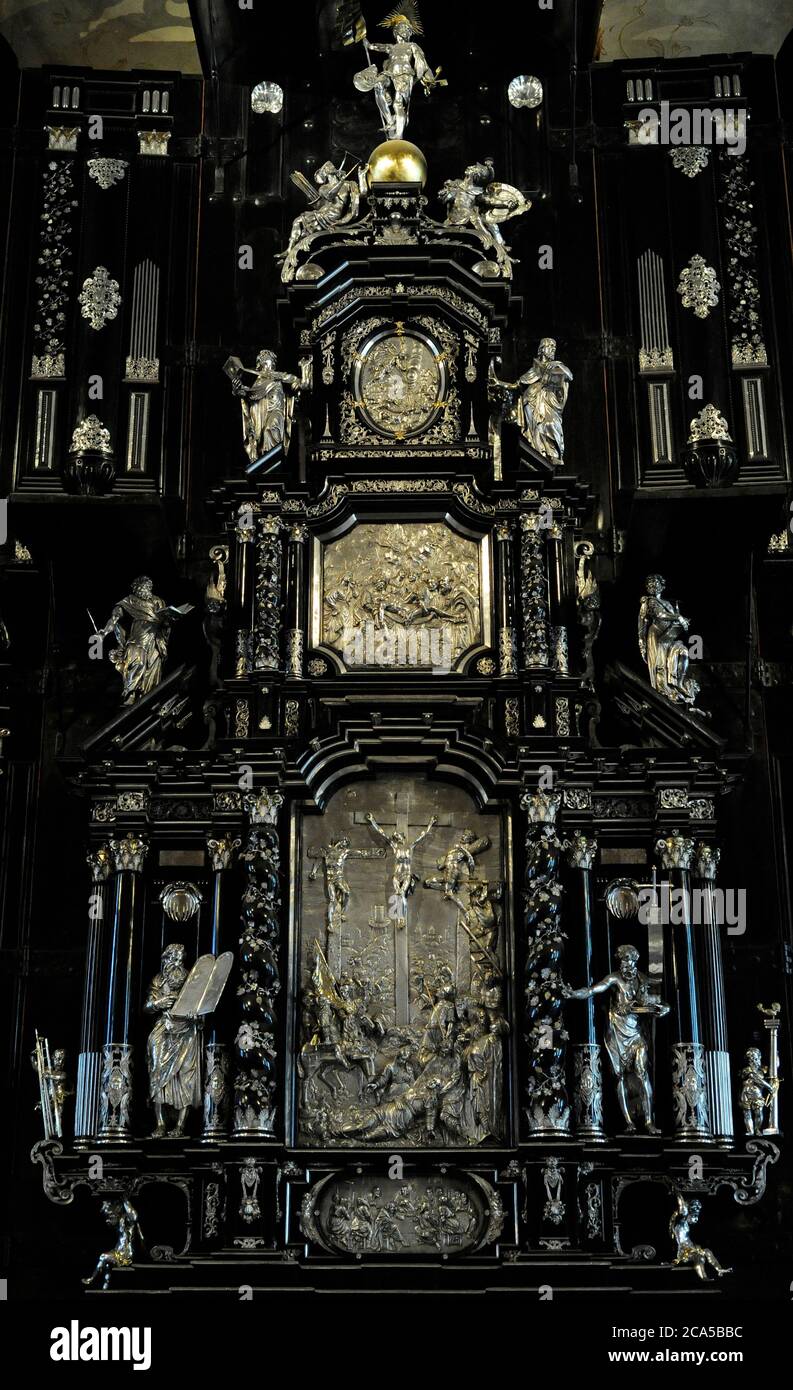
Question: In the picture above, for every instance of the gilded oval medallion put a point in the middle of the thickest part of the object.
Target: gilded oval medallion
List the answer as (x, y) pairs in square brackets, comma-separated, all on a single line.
[(400, 382)]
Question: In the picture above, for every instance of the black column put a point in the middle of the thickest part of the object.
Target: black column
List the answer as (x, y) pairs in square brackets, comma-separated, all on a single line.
[(295, 582), (689, 1093), (507, 635), (580, 1017), (128, 854), (89, 1061), (217, 1097), (710, 980)]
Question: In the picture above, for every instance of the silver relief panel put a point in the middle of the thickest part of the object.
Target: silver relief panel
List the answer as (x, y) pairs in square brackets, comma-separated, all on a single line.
[(412, 595), (401, 1027)]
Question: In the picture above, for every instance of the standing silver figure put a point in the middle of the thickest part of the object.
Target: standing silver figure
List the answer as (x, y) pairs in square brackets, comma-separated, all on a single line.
[(141, 649), (478, 201), (625, 1042), (405, 65), (267, 403), (174, 1048), (758, 1090), (542, 398), (689, 1253), (121, 1214), (335, 201), (661, 631), (53, 1091), (403, 878)]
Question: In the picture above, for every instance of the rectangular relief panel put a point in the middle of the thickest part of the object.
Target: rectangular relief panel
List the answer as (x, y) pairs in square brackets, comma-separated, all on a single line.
[(412, 595), (402, 964)]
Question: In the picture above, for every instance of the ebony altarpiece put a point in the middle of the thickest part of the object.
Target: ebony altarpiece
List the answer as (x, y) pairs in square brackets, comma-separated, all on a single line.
[(404, 746)]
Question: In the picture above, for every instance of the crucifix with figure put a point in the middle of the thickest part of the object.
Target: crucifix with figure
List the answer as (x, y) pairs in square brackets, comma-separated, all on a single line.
[(397, 835)]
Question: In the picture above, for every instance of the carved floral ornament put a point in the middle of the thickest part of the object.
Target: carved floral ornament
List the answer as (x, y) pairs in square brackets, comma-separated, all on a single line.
[(698, 287), (99, 298), (91, 435), (708, 424), (107, 172)]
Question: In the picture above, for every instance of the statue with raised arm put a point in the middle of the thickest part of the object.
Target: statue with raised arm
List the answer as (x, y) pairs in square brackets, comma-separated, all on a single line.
[(661, 632), (687, 1252), (267, 403), (403, 878), (626, 1045), (143, 645), (541, 398), (405, 64), (478, 201), (334, 202), (334, 859)]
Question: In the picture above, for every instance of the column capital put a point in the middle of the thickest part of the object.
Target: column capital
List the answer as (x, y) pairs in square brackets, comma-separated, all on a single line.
[(129, 852), (541, 808), (706, 860), (582, 851), (675, 851), (298, 532), (99, 862), (504, 530), (263, 806), (220, 850)]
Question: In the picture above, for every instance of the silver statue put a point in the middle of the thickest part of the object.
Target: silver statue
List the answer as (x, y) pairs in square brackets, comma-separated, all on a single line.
[(625, 1042), (334, 859), (478, 201), (334, 202), (541, 396), (661, 630), (174, 1047), (687, 1252), (121, 1214), (267, 403), (405, 64), (758, 1091), (50, 1069), (403, 878), (143, 647)]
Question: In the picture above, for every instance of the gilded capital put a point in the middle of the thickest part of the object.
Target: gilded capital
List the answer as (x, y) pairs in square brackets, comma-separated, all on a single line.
[(503, 530), (263, 806), (298, 532), (220, 851), (541, 808), (706, 860), (99, 862), (675, 851), (582, 851), (129, 853)]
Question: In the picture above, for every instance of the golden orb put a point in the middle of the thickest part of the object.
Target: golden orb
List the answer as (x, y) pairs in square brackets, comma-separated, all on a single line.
[(397, 161)]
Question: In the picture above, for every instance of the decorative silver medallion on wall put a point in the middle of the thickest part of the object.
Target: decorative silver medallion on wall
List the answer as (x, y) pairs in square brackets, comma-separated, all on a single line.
[(99, 299), (698, 287), (399, 381)]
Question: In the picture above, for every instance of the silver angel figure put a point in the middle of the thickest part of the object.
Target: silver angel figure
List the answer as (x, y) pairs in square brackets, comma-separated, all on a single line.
[(479, 202), (405, 64), (143, 647), (267, 403), (625, 1042), (541, 398), (174, 1048), (335, 202), (687, 1252), (121, 1214), (661, 630)]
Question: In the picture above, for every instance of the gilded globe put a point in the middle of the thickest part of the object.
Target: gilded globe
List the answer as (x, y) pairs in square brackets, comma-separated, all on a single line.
[(397, 161)]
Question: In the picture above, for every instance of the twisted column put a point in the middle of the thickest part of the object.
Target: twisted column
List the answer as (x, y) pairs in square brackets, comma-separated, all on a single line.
[(260, 984), (534, 593), (547, 1108)]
